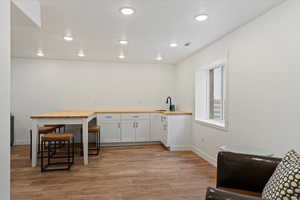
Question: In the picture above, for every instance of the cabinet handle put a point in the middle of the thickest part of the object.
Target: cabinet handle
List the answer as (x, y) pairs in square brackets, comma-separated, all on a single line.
[(133, 124), (119, 125), (136, 125)]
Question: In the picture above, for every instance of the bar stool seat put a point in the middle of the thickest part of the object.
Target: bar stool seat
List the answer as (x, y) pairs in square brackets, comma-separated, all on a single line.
[(57, 137), (66, 152), (41, 131), (57, 126), (94, 129), (46, 129)]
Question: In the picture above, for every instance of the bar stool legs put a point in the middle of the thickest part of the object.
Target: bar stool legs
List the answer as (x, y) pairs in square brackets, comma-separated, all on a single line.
[(50, 142), (96, 131)]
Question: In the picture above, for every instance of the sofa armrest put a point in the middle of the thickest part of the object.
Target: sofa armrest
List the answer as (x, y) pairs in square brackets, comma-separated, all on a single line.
[(242, 171), (216, 194)]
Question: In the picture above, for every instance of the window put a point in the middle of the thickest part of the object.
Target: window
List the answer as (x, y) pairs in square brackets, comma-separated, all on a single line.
[(210, 94)]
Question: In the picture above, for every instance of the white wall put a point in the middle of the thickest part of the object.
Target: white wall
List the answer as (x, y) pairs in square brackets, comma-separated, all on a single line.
[(5, 99), (263, 84), (47, 85)]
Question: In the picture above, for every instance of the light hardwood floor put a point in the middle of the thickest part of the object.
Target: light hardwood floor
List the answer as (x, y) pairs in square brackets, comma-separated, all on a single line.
[(124, 173)]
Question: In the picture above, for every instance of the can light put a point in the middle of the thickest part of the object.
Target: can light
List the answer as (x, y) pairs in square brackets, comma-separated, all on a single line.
[(173, 45), (201, 18), (40, 53), (121, 56), (123, 42), (159, 58), (127, 11), (68, 38), (81, 54)]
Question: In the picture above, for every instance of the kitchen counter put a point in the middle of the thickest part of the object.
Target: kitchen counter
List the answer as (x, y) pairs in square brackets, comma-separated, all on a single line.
[(87, 113), (145, 111)]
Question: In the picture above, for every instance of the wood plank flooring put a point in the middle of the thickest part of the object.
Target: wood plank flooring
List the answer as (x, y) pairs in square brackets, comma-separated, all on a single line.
[(124, 173)]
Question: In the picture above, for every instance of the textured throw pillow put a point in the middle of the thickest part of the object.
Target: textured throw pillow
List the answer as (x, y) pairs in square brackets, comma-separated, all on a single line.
[(285, 181)]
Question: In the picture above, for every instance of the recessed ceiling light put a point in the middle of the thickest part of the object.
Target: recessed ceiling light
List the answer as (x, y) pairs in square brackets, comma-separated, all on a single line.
[(40, 53), (159, 58), (81, 53), (68, 38), (121, 56), (173, 45), (123, 42), (201, 18), (127, 11)]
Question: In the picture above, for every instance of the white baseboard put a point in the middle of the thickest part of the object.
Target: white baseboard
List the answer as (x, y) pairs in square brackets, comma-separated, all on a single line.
[(204, 155), (127, 144), (181, 148)]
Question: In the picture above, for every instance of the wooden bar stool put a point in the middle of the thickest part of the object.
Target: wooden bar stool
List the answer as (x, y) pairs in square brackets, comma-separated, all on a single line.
[(65, 155), (58, 127), (93, 130), (41, 131)]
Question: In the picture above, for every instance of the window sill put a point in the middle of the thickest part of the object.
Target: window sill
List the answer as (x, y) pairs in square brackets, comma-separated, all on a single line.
[(213, 124)]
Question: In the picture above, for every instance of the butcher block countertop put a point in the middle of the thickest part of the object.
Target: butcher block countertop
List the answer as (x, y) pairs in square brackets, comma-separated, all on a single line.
[(65, 114), (87, 113)]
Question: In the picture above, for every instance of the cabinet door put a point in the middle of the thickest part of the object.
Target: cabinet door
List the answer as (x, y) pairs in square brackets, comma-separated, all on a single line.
[(142, 130), (155, 132), (127, 131), (110, 132)]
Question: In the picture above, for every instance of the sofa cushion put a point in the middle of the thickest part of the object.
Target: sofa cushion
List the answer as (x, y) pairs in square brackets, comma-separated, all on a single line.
[(284, 184)]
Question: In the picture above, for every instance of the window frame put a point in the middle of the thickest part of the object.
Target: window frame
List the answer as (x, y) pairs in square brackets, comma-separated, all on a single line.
[(202, 96)]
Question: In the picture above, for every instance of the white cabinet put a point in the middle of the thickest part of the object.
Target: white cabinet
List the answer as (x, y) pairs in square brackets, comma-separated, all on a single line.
[(128, 131), (164, 130), (176, 131), (155, 127), (110, 132), (124, 127), (136, 127), (142, 130)]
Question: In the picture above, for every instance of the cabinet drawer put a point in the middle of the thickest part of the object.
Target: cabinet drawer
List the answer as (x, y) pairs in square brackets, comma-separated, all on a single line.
[(133, 116), (109, 117)]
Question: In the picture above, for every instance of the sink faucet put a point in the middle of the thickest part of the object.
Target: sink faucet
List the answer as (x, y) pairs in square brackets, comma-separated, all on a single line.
[(169, 99)]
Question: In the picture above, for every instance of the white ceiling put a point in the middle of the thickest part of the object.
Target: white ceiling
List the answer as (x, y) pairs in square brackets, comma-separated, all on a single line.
[(97, 26)]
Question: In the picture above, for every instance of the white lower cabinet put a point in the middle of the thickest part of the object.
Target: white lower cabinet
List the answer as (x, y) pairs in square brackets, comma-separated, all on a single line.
[(124, 127), (128, 131), (142, 130), (135, 131), (110, 132), (174, 131), (155, 127)]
